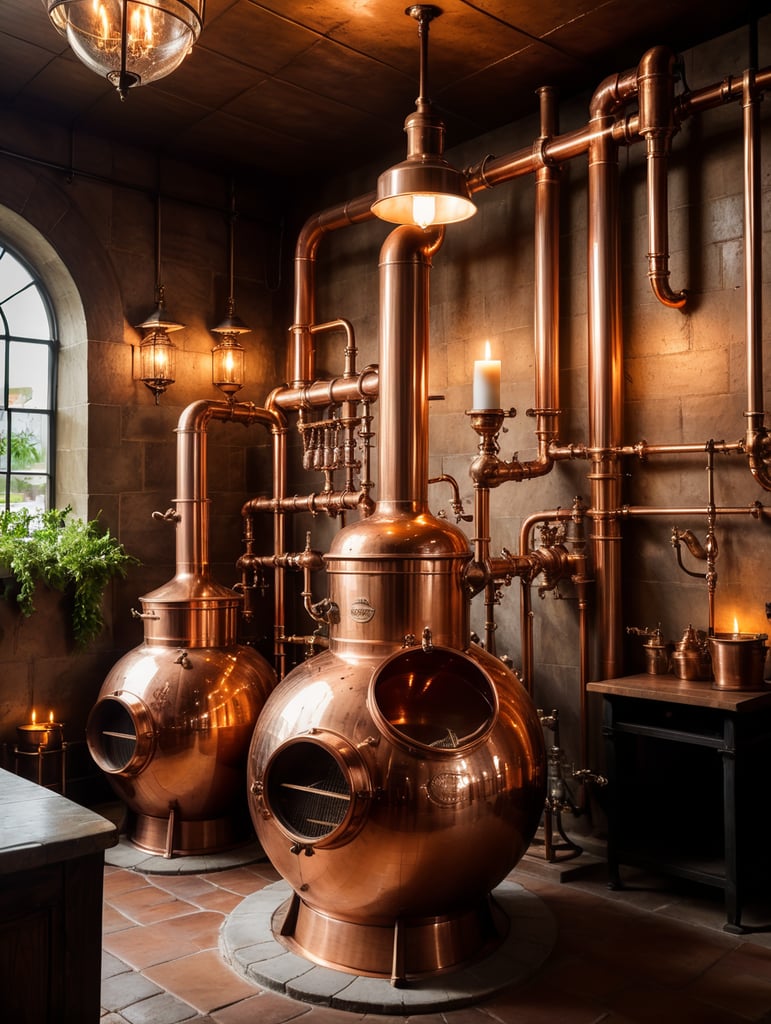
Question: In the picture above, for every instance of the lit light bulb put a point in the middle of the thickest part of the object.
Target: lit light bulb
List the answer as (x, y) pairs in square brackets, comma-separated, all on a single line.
[(423, 210)]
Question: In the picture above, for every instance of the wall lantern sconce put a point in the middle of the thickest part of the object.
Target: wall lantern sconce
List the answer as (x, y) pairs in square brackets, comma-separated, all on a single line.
[(157, 352), (424, 189), (129, 42), (227, 356)]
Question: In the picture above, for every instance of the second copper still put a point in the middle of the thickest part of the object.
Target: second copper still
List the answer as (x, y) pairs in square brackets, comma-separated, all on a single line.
[(396, 778), (174, 718)]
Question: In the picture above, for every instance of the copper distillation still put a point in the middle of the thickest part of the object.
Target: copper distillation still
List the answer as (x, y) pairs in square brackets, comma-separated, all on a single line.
[(174, 717), (403, 745)]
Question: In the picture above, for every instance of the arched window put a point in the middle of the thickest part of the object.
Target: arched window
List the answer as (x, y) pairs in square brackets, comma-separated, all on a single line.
[(28, 360)]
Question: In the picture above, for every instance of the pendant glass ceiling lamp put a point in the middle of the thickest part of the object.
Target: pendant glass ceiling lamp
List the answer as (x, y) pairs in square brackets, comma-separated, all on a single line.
[(157, 352), (424, 189), (129, 42), (227, 357)]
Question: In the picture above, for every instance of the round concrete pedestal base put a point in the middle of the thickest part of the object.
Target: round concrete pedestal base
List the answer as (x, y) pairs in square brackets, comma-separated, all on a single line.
[(248, 945), (126, 855)]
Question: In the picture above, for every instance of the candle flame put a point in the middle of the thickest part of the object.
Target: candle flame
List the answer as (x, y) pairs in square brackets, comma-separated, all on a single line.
[(34, 716), (736, 625), (50, 716), (488, 353)]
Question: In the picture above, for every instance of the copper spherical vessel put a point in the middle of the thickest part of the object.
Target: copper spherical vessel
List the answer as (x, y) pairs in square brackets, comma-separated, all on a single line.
[(171, 730), (394, 796)]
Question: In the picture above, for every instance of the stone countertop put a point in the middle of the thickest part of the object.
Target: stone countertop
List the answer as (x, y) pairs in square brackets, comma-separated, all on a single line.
[(39, 827)]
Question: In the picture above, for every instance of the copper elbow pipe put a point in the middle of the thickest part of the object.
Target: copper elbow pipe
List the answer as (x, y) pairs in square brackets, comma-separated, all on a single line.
[(655, 79), (191, 503), (301, 363), (487, 469)]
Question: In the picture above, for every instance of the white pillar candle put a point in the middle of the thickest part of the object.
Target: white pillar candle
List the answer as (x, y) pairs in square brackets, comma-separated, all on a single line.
[(487, 382)]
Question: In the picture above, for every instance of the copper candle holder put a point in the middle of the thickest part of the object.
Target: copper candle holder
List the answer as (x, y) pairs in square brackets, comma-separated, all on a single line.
[(738, 660), (40, 735)]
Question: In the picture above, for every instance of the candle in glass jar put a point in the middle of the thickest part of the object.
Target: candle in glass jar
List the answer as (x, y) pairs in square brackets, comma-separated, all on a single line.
[(487, 382)]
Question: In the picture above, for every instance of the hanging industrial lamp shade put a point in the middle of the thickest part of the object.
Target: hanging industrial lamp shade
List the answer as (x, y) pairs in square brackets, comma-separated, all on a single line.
[(129, 42), (424, 189)]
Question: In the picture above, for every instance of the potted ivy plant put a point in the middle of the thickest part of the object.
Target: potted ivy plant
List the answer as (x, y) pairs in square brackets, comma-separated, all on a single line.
[(67, 554)]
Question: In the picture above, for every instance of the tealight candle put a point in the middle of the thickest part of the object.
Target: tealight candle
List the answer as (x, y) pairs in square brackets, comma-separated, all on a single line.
[(487, 382), (40, 734)]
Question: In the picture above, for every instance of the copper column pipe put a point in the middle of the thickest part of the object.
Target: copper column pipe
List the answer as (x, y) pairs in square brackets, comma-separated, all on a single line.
[(405, 259), (605, 368), (757, 438), (547, 194)]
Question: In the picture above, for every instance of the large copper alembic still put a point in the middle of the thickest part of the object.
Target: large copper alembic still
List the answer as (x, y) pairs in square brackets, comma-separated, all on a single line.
[(396, 778), (174, 718)]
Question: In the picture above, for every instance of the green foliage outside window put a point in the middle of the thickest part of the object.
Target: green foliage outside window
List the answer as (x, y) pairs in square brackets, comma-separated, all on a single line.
[(25, 450)]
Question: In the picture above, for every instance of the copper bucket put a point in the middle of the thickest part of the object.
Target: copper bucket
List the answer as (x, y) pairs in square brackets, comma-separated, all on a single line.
[(738, 660)]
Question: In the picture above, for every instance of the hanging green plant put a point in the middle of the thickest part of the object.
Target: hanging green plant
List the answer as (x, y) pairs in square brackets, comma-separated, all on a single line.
[(66, 554)]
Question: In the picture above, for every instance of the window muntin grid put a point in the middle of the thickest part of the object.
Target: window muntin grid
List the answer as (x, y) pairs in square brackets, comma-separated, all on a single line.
[(28, 356)]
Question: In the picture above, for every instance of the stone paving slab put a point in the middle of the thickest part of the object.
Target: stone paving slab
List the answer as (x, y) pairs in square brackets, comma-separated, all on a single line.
[(126, 855), (248, 945)]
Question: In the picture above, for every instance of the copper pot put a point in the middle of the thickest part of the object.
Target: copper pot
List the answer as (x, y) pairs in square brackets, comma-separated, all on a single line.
[(394, 796), (171, 729)]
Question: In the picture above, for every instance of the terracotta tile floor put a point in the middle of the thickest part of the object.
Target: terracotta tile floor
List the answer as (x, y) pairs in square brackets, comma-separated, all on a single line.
[(653, 952)]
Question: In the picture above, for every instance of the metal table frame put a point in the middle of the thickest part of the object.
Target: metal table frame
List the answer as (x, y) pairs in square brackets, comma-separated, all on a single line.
[(737, 726)]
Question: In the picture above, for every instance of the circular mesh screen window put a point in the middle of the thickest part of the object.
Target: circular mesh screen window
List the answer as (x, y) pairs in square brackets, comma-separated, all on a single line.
[(307, 790), (112, 735), (438, 698)]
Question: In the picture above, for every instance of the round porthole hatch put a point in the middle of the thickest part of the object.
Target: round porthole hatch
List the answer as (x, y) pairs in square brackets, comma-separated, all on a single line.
[(120, 734), (317, 789)]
